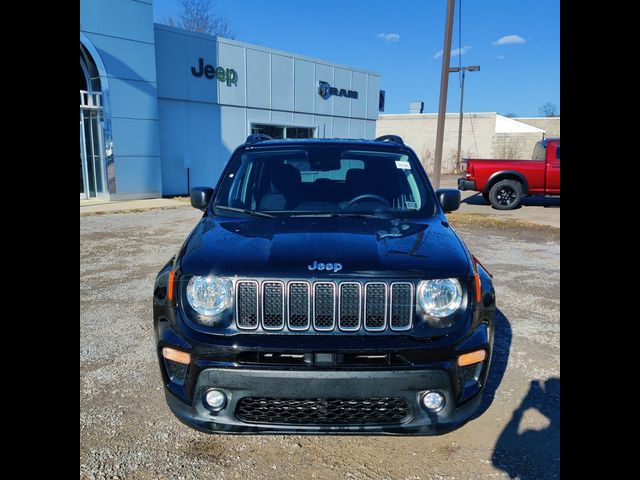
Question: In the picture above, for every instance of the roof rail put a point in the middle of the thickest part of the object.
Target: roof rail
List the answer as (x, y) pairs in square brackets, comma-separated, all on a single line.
[(257, 137), (390, 138)]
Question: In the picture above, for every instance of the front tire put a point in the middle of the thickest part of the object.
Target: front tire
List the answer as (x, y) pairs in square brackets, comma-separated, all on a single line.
[(506, 195)]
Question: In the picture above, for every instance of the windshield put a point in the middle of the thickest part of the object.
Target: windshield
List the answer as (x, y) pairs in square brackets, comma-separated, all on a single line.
[(325, 179)]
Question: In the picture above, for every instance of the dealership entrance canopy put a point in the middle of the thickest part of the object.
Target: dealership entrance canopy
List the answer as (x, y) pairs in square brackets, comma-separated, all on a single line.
[(161, 108)]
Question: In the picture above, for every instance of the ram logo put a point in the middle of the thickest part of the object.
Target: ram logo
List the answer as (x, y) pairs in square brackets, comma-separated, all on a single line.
[(325, 90)]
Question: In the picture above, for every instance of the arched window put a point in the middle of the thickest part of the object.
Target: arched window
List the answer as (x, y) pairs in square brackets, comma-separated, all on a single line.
[(92, 158), (90, 71)]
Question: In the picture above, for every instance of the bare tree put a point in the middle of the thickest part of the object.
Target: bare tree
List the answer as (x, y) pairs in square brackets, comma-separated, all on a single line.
[(455, 163), (200, 16), (549, 110), (510, 149), (427, 160)]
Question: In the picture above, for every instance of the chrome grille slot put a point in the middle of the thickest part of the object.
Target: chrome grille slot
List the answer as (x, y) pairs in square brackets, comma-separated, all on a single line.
[(401, 306), (247, 304), (349, 306), (273, 305), (324, 306), (299, 305), (375, 306)]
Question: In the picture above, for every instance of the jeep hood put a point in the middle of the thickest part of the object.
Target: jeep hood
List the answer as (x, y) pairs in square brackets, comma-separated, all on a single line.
[(284, 247)]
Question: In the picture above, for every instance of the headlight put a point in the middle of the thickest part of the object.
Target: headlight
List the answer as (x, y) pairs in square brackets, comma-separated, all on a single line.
[(440, 298), (209, 295)]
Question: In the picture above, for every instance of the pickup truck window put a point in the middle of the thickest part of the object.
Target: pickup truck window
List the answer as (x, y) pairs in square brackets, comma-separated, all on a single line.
[(326, 179)]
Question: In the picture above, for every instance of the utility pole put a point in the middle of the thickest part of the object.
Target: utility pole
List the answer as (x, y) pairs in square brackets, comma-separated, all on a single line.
[(473, 68), (444, 84)]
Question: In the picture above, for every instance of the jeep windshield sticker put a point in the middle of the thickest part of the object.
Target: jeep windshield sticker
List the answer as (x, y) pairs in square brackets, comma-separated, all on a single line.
[(403, 164), (411, 205)]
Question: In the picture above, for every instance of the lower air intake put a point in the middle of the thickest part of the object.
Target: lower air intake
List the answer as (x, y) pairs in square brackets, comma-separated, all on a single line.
[(322, 411)]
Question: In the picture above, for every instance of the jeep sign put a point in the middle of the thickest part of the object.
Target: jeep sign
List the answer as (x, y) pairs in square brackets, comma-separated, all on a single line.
[(227, 75)]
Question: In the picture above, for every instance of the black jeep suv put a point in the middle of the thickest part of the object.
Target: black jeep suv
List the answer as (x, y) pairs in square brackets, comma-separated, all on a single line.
[(323, 291)]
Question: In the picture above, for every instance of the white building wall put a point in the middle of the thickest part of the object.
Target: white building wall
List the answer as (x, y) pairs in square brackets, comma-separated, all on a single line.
[(419, 132), (550, 124), (479, 137)]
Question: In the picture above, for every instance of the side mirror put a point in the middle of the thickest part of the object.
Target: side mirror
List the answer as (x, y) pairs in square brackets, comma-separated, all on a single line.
[(449, 199), (200, 197)]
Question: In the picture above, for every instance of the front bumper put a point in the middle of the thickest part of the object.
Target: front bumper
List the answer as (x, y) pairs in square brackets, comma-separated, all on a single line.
[(408, 384), (466, 184)]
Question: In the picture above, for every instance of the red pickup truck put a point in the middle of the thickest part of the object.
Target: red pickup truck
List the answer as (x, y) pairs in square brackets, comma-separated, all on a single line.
[(503, 183)]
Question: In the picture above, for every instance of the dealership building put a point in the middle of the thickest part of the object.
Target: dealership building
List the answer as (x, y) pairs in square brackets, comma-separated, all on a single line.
[(161, 108)]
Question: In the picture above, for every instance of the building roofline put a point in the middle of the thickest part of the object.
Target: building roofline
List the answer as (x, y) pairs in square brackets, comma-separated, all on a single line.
[(434, 114), (237, 43)]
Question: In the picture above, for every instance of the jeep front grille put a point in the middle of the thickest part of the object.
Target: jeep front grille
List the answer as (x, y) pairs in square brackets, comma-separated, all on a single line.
[(324, 306)]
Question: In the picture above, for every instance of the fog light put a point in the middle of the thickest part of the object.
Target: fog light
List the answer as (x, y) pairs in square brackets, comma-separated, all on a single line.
[(215, 399), (433, 401)]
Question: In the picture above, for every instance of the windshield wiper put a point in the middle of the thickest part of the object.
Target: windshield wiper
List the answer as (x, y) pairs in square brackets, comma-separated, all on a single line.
[(242, 210), (338, 214), (361, 215)]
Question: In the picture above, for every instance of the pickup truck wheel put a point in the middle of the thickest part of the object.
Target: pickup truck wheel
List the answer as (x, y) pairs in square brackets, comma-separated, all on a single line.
[(506, 194)]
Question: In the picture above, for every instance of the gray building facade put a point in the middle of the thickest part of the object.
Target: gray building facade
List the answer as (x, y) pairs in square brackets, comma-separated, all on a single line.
[(162, 108)]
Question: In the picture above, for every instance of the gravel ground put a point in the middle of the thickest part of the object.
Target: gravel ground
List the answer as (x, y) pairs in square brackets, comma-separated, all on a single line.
[(127, 431)]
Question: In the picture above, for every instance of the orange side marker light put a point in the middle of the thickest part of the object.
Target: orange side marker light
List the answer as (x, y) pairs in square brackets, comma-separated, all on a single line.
[(472, 357), (478, 287), (176, 355), (170, 286)]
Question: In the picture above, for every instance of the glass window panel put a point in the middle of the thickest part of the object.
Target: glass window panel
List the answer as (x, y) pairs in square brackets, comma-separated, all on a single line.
[(97, 150), (299, 132), (274, 131), (89, 154)]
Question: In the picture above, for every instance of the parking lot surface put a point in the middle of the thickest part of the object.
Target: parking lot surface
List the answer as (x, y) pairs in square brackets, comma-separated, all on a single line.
[(127, 431)]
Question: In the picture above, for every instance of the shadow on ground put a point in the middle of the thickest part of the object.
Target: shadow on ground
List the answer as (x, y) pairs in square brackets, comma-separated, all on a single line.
[(532, 453), (533, 201), (528, 454)]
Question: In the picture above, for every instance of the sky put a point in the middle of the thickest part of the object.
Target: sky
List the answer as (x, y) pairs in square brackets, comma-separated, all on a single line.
[(515, 42)]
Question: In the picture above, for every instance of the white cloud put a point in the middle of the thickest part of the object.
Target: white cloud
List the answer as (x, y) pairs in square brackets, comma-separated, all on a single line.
[(389, 37), (455, 52), (509, 40), (500, 57)]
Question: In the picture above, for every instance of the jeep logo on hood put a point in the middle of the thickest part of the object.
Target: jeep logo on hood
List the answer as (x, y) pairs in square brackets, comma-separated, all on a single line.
[(336, 267)]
